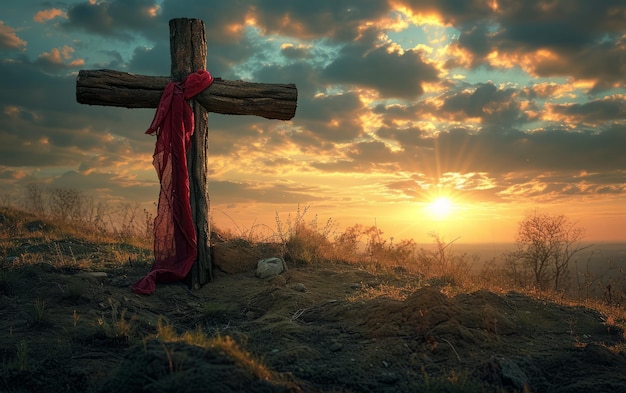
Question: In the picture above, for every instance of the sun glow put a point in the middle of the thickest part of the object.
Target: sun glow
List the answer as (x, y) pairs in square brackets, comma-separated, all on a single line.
[(440, 208)]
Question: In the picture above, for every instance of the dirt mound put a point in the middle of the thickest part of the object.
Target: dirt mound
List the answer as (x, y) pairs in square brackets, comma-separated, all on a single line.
[(427, 311)]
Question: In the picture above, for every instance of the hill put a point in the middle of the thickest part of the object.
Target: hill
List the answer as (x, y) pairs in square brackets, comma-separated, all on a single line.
[(71, 324)]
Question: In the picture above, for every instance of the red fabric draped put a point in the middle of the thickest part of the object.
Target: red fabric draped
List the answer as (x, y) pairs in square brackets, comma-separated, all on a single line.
[(175, 243)]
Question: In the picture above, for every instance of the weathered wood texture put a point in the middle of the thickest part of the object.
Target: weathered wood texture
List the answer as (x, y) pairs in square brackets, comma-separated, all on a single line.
[(115, 88), (188, 53)]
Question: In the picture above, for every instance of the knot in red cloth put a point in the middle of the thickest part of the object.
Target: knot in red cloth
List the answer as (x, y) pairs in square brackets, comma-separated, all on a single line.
[(196, 82), (175, 243)]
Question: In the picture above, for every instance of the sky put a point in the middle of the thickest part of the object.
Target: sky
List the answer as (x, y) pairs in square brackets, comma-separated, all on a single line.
[(455, 117)]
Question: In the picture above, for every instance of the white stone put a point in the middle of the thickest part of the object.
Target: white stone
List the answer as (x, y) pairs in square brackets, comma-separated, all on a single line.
[(269, 267)]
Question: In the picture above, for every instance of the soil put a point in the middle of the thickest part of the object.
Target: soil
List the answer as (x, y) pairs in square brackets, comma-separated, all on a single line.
[(323, 328)]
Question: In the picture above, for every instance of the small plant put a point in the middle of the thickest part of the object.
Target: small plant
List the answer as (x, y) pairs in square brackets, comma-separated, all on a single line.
[(39, 315), (119, 328), (165, 331), (305, 242), (122, 328), (21, 356)]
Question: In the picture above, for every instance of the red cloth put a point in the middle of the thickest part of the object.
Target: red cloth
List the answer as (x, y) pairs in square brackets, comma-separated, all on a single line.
[(175, 243)]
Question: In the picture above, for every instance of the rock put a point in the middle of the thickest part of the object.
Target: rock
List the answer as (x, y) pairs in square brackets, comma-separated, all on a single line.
[(269, 267)]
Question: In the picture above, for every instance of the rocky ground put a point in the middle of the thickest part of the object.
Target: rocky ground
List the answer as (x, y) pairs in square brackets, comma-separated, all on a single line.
[(77, 327)]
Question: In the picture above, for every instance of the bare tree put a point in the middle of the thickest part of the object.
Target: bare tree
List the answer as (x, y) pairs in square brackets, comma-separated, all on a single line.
[(545, 245), (34, 201), (66, 203)]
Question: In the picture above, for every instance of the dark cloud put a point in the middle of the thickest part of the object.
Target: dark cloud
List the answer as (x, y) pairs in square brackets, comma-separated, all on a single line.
[(373, 152), (293, 52), (119, 19), (407, 137), (606, 109), (595, 18), (149, 61), (337, 20), (487, 102), (330, 118), (585, 38), (333, 118), (454, 12), (501, 155), (42, 125), (548, 150), (476, 41), (392, 74)]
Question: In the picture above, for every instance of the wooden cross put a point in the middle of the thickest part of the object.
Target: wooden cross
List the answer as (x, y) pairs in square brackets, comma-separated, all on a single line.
[(188, 52)]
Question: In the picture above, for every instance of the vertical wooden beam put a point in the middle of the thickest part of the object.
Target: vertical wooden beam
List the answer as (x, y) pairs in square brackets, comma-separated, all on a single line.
[(188, 52)]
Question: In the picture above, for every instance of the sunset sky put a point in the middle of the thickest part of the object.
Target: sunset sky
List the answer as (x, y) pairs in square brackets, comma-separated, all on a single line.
[(499, 106)]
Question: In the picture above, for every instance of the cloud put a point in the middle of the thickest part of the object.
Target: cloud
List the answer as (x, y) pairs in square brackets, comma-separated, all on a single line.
[(451, 13), (291, 51), (547, 90), (487, 102), (274, 193), (117, 18), (606, 109), (108, 186), (49, 14), (9, 39), (393, 74), (577, 39), (336, 20), (59, 58)]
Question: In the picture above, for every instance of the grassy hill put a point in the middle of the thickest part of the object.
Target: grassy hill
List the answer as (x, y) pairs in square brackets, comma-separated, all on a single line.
[(336, 321)]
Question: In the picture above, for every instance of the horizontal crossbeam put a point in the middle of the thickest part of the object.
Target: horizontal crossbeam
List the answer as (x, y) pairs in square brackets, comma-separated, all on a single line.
[(115, 88)]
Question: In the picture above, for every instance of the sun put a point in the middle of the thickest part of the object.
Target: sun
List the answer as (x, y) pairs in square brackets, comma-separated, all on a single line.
[(440, 208)]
